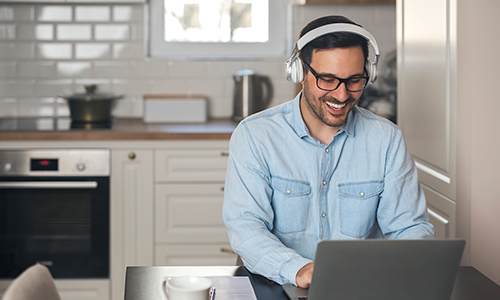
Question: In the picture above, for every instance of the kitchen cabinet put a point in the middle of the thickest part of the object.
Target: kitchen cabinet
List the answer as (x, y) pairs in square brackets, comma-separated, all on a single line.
[(189, 213), (131, 213), (442, 213), (426, 101), (189, 192), (194, 255), (188, 165), (165, 207), (425, 91), (449, 116)]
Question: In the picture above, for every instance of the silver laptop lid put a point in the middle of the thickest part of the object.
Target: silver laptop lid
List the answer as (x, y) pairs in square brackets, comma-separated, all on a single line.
[(386, 269)]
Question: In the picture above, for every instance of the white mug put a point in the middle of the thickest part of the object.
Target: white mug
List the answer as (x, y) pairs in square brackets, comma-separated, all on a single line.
[(187, 288)]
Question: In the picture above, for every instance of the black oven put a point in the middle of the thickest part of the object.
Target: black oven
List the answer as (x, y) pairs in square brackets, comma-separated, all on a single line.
[(54, 209)]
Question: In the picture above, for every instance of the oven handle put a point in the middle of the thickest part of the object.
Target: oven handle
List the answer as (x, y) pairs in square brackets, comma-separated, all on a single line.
[(49, 184)]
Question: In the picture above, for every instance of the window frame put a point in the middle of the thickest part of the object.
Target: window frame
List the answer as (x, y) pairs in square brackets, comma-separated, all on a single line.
[(280, 12)]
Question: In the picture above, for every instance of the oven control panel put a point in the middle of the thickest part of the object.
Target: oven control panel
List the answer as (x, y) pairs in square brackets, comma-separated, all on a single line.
[(55, 162)]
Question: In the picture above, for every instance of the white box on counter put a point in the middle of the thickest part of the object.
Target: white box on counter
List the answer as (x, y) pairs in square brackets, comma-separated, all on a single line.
[(175, 109)]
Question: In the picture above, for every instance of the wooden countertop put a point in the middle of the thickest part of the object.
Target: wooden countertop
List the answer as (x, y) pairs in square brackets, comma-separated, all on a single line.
[(130, 129)]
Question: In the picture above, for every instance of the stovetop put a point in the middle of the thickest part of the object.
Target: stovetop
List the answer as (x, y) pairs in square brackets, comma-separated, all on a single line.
[(52, 124)]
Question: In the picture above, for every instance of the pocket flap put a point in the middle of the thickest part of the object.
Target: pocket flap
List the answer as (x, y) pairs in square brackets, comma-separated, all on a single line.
[(291, 187), (364, 189)]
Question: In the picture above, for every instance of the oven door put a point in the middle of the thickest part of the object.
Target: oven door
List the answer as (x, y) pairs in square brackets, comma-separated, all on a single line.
[(61, 222)]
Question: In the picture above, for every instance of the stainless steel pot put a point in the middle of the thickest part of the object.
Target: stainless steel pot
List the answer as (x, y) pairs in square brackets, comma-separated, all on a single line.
[(91, 106), (252, 93)]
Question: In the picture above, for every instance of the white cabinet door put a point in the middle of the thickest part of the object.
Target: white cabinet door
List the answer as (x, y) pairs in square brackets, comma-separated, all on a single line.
[(131, 214), (194, 255), (191, 165), (83, 289), (427, 89), (189, 213), (442, 213)]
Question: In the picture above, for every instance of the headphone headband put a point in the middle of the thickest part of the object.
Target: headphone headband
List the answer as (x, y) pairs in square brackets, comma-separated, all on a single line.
[(294, 66), (338, 27)]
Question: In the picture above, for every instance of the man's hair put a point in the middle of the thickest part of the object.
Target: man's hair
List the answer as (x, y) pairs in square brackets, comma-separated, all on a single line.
[(331, 40)]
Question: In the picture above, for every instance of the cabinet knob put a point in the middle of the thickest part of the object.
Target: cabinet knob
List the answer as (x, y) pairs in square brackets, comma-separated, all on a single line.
[(224, 154), (131, 155), (227, 250), (222, 189)]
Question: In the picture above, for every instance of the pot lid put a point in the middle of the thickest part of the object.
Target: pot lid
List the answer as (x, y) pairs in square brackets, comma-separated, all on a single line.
[(90, 94)]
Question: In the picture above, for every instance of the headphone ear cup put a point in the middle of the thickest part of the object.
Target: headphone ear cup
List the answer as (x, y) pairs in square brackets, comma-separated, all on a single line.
[(296, 71), (373, 72)]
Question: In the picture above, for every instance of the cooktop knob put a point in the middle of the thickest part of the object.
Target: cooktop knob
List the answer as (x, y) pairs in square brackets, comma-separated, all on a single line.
[(80, 166), (7, 167)]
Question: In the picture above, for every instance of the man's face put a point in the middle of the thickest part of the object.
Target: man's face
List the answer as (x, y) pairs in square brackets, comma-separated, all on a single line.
[(331, 107)]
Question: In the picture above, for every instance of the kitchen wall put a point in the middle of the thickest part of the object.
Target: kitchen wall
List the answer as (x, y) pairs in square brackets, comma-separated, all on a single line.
[(55, 49)]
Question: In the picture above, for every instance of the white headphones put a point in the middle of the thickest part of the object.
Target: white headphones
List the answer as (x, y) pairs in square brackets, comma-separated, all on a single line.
[(293, 66)]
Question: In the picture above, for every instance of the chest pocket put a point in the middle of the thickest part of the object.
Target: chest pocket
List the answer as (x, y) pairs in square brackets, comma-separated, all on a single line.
[(289, 201), (358, 206)]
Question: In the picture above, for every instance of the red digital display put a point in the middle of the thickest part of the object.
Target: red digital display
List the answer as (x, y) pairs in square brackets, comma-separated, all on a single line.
[(44, 164)]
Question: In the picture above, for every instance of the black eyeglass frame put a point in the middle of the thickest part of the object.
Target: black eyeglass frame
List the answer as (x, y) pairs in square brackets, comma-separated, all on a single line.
[(341, 80)]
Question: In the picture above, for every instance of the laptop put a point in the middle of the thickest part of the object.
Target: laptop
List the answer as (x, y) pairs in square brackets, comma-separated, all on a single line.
[(383, 270)]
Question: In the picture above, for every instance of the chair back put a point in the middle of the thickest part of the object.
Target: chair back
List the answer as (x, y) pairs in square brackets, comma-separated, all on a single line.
[(36, 282)]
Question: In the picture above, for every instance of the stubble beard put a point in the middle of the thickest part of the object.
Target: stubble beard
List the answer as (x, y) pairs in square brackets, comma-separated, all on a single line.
[(316, 107)]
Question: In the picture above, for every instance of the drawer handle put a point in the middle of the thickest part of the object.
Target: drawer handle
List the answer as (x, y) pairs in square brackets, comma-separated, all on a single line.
[(222, 189), (225, 154), (227, 250)]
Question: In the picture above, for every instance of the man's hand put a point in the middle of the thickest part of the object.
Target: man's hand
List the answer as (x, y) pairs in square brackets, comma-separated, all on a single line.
[(304, 275)]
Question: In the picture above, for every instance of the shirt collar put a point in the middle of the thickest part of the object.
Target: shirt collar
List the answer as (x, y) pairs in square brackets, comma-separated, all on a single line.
[(297, 121), (301, 129)]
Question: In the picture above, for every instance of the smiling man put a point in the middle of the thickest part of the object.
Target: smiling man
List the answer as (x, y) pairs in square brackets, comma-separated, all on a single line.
[(319, 167)]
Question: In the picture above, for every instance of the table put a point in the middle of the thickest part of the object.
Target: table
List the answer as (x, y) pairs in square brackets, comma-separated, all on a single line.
[(145, 283)]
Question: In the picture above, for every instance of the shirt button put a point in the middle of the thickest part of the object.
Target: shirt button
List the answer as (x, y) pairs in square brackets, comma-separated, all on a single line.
[(288, 191), (323, 215), (324, 182), (327, 150), (362, 194)]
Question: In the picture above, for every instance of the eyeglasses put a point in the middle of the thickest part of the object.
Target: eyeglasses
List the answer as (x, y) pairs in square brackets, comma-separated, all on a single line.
[(331, 83)]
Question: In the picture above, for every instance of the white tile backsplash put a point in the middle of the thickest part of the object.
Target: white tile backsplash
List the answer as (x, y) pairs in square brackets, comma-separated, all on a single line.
[(126, 13), (112, 69), (7, 31), (112, 32), (54, 13), (66, 32), (53, 88), (93, 13), (37, 107), (8, 106), (6, 13), (8, 69), (72, 69), (48, 50), (31, 31), (128, 51), (92, 51), (54, 51)]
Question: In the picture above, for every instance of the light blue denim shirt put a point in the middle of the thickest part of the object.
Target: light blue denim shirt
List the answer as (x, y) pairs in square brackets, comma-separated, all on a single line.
[(285, 190)]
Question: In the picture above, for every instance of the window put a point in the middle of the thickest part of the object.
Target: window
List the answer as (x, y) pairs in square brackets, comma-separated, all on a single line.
[(219, 29)]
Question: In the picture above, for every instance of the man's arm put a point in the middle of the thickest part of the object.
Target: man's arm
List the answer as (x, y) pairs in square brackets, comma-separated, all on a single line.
[(249, 216), (402, 212)]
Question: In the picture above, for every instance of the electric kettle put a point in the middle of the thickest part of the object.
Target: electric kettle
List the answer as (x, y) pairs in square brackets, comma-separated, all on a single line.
[(252, 93)]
